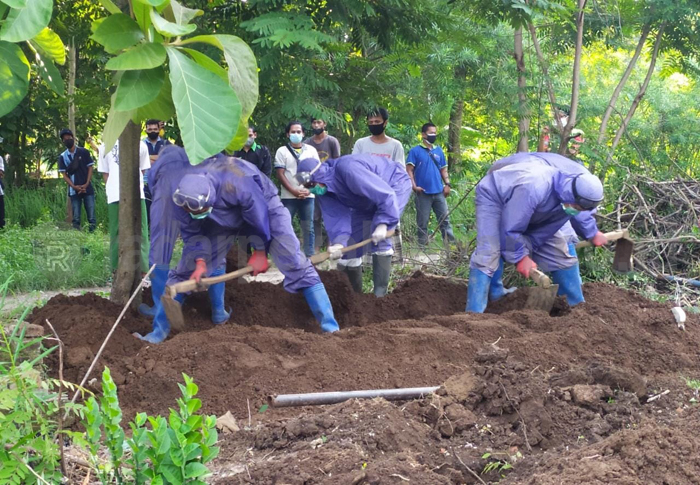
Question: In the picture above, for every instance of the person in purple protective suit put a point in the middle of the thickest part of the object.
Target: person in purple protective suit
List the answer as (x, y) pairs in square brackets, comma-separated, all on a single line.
[(212, 204), (360, 195), (522, 204)]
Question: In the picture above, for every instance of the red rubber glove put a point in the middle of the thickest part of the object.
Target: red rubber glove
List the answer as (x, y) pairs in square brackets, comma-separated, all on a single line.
[(199, 271), (599, 240), (525, 265), (259, 262)]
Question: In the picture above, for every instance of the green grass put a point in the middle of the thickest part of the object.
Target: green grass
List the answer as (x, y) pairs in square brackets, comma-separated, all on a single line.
[(46, 257)]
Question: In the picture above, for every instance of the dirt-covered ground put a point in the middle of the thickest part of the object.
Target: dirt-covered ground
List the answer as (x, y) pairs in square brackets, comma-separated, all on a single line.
[(526, 397)]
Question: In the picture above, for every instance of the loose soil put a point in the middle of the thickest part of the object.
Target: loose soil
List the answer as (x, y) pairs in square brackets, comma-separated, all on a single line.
[(525, 397)]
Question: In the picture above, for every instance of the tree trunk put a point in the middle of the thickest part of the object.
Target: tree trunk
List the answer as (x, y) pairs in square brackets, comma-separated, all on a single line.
[(454, 134), (545, 75), (635, 103), (575, 80), (523, 109), (128, 273), (621, 84), (72, 60)]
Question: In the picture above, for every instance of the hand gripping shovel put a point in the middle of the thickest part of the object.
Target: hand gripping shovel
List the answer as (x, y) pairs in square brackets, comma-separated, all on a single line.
[(542, 296), (321, 257), (622, 262), (173, 309)]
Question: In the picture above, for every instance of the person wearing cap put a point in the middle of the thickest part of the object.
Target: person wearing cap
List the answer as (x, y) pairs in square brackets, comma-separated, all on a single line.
[(213, 203), (362, 196), (75, 165), (523, 206)]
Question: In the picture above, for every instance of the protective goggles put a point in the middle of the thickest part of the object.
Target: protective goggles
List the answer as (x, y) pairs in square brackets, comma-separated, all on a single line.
[(304, 178), (192, 203), (584, 202)]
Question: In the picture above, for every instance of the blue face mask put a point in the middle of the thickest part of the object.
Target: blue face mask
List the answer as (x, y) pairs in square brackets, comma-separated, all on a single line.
[(570, 210), (203, 215), (296, 137), (318, 190)]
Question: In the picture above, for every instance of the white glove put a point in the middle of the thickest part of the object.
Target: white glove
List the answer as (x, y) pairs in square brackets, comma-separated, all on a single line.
[(335, 251), (379, 234)]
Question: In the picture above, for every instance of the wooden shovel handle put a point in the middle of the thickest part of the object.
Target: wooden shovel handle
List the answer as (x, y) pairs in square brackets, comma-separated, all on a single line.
[(191, 285), (321, 257), (612, 236), (540, 278)]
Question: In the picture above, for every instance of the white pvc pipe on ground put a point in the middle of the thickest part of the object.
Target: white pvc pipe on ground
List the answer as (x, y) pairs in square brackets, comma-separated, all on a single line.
[(316, 398)]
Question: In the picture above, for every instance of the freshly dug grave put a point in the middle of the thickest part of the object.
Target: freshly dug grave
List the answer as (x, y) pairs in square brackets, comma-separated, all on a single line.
[(550, 390)]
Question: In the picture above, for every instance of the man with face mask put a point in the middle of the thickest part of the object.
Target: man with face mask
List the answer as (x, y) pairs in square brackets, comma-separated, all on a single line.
[(154, 143), (215, 202), (255, 153), (327, 147), (75, 164), (427, 167), (361, 196), (294, 197), (525, 208)]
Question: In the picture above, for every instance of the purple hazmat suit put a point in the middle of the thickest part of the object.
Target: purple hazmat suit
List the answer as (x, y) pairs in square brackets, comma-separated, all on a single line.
[(244, 203), (363, 192), (519, 211)]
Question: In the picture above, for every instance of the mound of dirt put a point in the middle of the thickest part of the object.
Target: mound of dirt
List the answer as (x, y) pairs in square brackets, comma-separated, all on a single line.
[(519, 385)]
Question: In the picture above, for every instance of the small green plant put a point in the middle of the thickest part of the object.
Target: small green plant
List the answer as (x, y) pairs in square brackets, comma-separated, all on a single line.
[(499, 465), (694, 385), (172, 451)]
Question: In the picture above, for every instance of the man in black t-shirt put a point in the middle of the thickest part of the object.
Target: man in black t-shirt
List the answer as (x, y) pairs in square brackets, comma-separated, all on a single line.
[(75, 164), (256, 154)]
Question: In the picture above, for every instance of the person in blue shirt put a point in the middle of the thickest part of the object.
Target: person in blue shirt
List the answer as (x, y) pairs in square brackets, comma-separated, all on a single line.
[(75, 165), (155, 143), (427, 167)]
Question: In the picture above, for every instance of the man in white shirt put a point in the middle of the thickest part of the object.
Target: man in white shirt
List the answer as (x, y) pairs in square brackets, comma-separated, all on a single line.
[(2, 193), (296, 198), (108, 166)]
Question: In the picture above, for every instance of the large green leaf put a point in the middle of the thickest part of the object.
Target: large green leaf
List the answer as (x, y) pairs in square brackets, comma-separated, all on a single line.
[(117, 32), (138, 88), (143, 56), (142, 14), (183, 15), (14, 76), (49, 73), (50, 44), (240, 137), (23, 24), (116, 122), (207, 108), (161, 108), (242, 67), (208, 63), (110, 6), (15, 3), (170, 29)]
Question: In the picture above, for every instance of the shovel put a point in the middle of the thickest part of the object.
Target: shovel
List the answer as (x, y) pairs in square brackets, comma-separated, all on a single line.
[(542, 296), (622, 262), (321, 257), (173, 309)]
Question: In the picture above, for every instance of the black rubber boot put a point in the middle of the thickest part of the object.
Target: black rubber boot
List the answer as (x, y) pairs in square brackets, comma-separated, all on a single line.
[(354, 275), (381, 267)]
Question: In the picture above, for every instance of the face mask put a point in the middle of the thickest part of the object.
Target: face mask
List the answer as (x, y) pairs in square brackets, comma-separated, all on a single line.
[(152, 135), (296, 137), (376, 129), (431, 138), (318, 190), (318, 131), (203, 215), (69, 143), (570, 211), (249, 142)]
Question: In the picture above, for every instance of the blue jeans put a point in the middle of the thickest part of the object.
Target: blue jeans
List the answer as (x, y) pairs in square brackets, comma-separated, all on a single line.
[(76, 203), (305, 209), (424, 204)]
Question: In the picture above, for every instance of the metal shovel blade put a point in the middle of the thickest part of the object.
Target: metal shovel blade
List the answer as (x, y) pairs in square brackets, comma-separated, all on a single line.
[(622, 262), (540, 298), (173, 310)]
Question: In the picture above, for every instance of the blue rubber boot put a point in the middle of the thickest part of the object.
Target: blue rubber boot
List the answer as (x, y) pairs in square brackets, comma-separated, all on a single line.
[(320, 306), (219, 314), (478, 291), (497, 290), (569, 281), (161, 326), (159, 276)]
